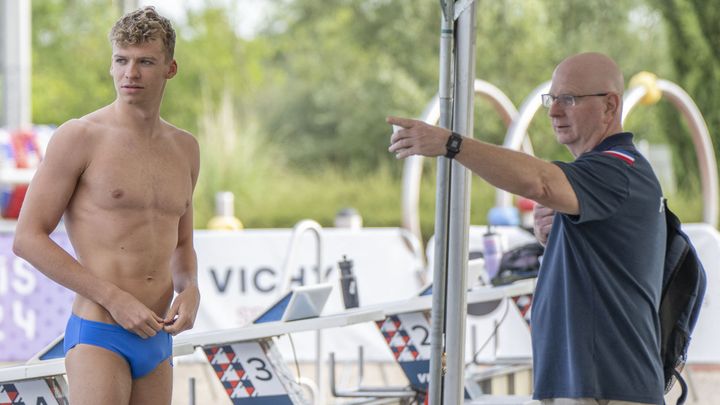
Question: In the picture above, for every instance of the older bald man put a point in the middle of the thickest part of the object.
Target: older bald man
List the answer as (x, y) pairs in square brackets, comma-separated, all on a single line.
[(595, 329)]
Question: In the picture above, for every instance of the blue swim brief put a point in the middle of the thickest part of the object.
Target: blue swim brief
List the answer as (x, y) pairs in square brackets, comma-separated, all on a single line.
[(143, 355)]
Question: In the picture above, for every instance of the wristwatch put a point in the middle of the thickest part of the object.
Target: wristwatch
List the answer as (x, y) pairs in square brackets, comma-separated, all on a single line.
[(453, 145)]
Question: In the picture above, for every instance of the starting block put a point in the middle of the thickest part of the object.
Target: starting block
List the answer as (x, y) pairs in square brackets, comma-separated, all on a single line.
[(39, 381), (49, 390), (244, 359), (406, 330), (247, 362)]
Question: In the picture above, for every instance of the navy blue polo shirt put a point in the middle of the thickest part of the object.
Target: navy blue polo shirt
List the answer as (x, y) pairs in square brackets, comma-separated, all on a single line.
[(595, 328)]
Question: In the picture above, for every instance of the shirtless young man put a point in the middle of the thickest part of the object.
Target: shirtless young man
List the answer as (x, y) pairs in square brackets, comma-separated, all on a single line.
[(124, 179)]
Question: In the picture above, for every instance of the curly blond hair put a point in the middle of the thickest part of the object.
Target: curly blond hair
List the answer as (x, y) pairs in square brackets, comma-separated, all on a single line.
[(141, 26)]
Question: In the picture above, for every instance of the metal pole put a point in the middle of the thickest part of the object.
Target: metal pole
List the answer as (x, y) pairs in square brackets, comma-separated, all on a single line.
[(704, 150), (3, 58), (191, 386), (412, 168), (16, 69), (456, 298), (437, 333)]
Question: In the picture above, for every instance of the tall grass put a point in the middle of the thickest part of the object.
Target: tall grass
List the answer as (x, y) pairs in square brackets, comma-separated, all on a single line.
[(283, 197), (236, 156)]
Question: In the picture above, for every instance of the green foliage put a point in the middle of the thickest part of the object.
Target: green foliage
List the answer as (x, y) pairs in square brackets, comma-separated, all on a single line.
[(520, 41), (344, 66), (235, 156), (71, 59), (281, 198), (214, 63), (297, 196), (292, 120), (694, 39)]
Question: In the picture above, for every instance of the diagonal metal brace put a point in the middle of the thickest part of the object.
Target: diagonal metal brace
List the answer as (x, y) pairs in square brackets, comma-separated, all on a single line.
[(446, 7), (454, 7), (460, 6)]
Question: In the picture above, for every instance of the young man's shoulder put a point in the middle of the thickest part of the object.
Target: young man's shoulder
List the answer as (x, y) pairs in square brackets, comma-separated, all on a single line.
[(75, 130), (184, 138), (86, 125), (175, 131), (185, 142)]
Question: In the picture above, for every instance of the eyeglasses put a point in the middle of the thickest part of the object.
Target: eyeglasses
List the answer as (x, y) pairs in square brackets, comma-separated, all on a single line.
[(565, 100)]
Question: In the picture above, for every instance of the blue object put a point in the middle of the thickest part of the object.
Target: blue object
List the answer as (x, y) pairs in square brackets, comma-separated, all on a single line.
[(504, 216), (276, 311), (55, 352), (142, 355)]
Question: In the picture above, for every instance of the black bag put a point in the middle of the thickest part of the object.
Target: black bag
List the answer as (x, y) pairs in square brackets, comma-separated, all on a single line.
[(684, 283), (518, 264)]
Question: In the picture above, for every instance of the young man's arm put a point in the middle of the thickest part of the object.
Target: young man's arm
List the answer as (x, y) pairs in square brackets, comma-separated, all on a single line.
[(67, 156), (184, 262)]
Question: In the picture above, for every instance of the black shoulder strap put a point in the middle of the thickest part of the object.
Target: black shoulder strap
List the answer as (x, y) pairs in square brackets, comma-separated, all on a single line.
[(676, 247)]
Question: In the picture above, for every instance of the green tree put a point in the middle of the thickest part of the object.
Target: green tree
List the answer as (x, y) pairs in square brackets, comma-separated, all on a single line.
[(694, 36), (214, 63), (312, 88), (520, 41), (341, 67), (70, 59), (334, 57)]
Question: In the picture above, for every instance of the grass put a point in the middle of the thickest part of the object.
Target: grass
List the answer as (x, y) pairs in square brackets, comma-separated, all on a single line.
[(280, 198)]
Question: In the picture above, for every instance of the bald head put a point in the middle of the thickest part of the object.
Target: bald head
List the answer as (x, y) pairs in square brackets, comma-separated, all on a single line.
[(590, 72), (597, 85)]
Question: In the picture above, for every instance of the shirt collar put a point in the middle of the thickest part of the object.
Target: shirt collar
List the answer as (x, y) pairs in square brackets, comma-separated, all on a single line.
[(612, 141)]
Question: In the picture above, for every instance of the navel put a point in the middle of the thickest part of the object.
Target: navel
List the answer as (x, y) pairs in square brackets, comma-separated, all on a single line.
[(117, 193)]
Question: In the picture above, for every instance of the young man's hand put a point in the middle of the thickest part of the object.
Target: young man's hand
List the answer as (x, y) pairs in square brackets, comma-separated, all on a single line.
[(133, 315), (182, 312)]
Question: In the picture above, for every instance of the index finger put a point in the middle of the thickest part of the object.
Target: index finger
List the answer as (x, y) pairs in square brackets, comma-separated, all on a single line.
[(154, 324), (403, 122), (174, 328), (146, 331)]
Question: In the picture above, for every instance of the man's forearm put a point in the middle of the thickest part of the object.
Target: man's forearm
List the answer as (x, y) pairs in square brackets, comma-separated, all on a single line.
[(520, 174), (58, 265)]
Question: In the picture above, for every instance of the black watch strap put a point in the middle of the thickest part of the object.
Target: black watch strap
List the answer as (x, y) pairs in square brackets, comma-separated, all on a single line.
[(452, 146)]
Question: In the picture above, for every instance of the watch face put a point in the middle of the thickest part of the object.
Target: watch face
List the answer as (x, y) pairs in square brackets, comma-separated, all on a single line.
[(454, 144)]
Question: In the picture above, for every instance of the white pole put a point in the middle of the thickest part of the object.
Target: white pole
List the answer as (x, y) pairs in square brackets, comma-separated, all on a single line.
[(456, 306), (437, 327), (16, 63)]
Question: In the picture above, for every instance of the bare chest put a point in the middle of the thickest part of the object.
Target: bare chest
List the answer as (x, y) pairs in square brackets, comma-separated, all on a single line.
[(138, 177)]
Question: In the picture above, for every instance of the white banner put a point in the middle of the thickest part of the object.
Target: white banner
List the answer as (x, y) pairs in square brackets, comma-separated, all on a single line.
[(241, 273)]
